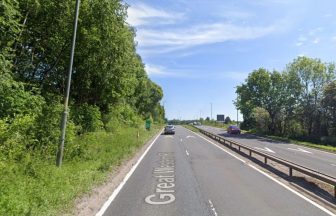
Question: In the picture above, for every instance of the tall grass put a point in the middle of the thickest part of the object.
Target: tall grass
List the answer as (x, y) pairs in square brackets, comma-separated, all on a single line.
[(35, 186)]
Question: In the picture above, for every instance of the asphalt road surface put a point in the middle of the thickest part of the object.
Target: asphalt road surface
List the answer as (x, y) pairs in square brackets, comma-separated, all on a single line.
[(184, 174), (317, 160)]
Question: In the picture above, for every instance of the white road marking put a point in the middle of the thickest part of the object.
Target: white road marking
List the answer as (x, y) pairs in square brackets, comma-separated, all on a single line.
[(213, 208), (187, 152), (270, 177), (169, 136), (190, 137), (300, 150), (181, 139), (265, 149), (120, 186), (333, 165)]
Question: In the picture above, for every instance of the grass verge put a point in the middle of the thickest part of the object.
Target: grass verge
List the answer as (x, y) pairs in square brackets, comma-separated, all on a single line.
[(36, 187), (307, 144), (190, 127)]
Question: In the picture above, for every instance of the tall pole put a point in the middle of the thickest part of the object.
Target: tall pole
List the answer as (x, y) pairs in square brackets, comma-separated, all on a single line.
[(237, 110), (66, 97), (211, 111)]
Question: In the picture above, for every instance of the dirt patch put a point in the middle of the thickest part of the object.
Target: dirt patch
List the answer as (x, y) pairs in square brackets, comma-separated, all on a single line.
[(91, 203)]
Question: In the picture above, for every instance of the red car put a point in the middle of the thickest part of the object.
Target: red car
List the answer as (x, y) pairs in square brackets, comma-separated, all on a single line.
[(232, 129)]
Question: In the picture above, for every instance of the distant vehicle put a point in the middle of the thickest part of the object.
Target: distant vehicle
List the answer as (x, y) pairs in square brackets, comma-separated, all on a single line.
[(232, 129), (169, 129)]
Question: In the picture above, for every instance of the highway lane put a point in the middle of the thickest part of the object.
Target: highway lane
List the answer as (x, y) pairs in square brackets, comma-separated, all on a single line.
[(186, 175), (320, 161)]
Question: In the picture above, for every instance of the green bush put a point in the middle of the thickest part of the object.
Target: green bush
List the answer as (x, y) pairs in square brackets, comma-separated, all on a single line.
[(35, 132), (15, 100), (87, 118), (122, 114)]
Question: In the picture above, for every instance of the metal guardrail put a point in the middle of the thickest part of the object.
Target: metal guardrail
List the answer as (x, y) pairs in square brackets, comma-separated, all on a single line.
[(292, 166)]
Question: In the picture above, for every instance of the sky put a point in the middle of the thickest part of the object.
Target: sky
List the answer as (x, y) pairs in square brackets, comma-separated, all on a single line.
[(199, 51)]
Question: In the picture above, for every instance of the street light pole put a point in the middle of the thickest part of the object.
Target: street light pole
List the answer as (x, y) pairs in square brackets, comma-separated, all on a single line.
[(211, 111), (237, 110), (66, 97)]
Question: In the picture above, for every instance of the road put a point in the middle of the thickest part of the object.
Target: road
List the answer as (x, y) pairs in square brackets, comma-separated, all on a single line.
[(184, 174), (320, 161)]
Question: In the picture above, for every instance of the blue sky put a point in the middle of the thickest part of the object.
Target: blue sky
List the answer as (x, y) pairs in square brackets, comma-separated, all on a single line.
[(199, 51)]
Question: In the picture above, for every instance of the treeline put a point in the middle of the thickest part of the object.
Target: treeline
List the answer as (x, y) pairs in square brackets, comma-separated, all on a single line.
[(298, 102), (109, 85)]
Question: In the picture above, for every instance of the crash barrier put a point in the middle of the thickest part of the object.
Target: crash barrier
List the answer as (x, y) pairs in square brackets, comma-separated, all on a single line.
[(291, 166)]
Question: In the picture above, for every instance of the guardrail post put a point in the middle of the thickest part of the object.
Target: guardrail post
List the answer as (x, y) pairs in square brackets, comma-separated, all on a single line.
[(265, 160), (239, 148), (290, 171), (250, 153), (334, 191)]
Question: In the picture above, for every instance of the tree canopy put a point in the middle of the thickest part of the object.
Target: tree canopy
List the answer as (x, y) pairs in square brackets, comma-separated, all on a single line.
[(297, 101)]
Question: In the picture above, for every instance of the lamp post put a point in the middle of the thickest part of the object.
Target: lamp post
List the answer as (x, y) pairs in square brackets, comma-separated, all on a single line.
[(211, 111), (237, 109), (59, 156)]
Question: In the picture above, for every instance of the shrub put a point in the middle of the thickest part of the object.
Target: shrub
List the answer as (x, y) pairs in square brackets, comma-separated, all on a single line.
[(87, 117)]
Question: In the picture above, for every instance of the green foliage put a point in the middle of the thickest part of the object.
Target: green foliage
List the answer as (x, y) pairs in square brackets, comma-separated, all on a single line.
[(110, 90), (121, 114), (15, 100), (87, 118), (227, 120), (262, 119), (299, 101), (36, 187)]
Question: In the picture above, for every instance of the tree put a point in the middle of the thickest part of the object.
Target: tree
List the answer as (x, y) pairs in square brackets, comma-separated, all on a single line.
[(262, 89), (329, 104), (307, 77), (9, 28), (262, 119), (227, 120)]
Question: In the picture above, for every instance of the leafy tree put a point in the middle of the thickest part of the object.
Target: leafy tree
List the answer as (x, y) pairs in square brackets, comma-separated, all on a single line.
[(227, 120), (262, 119), (329, 104), (308, 76)]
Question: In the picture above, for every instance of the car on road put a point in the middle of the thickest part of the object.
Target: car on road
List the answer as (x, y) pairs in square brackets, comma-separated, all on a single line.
[(169, 129), (232, 129)]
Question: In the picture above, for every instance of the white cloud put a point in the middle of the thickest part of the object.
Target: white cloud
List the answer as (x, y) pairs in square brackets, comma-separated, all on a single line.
[(301, 41), (175, 39), (316, 40), (315, 31), (333, 38), (142, 14), (192, 73), (155, 70), (299, 44)]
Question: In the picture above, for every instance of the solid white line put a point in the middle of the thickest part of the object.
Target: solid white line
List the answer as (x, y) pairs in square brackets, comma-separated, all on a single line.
[(187, 152), (213, 208), (272, 178), (333, 165), (120, 186)]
